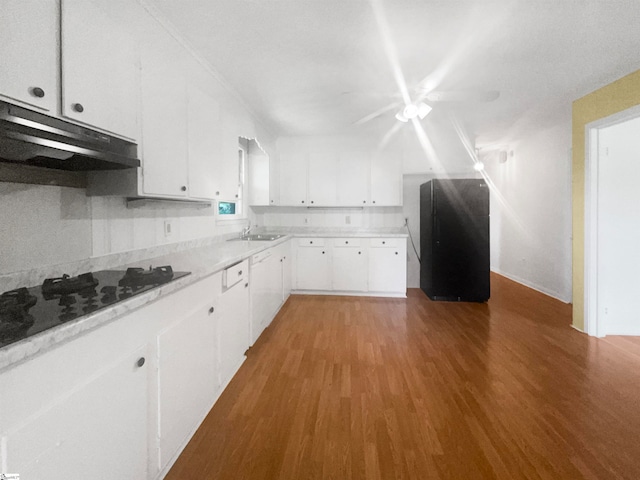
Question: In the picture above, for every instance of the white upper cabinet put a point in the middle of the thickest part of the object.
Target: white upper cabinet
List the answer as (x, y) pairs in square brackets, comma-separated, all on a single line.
[(204, 144), (29, 52), (386, 181), (99, 55), (293, 179), (316, 175), (353, 180), (227, 165), (164, 116), (72, 58), (322, 179)]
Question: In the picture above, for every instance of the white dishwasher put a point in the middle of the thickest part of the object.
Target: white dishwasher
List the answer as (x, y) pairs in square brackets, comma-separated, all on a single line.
[(266, 291), (233, 324)]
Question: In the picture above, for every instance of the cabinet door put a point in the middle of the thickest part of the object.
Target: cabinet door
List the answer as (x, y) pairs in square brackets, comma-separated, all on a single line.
[(386, 181), (203, 128), (259, 180), (349, 268), (313, 270), (99, 66), (293, 179), (266, 293), (353, 180), (388, 266), (285, 252), (187, 377), (164, 116), (99, 427), (233, 328), (28, 49), (322, 179), (227, 164)]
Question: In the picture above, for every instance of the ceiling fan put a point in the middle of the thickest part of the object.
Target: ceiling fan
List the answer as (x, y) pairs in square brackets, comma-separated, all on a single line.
[(419, 109)]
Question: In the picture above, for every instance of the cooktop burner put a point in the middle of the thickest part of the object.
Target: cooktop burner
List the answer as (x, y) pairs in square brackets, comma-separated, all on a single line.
[(27, 311)]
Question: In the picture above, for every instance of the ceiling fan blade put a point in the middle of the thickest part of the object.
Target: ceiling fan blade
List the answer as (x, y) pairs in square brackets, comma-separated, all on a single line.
[(377, 113), (462, 96)]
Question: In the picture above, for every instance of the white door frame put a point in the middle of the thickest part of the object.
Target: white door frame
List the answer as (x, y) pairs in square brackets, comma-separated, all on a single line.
[(592, 326)]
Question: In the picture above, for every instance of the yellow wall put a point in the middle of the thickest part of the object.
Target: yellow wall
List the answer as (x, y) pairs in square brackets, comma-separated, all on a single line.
[(615, 97)]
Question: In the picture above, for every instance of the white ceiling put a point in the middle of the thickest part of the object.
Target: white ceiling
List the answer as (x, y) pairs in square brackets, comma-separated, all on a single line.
[(314, 67)]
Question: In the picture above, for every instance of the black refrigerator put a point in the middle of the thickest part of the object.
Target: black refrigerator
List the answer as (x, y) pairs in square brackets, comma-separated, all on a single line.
[(454, 240)]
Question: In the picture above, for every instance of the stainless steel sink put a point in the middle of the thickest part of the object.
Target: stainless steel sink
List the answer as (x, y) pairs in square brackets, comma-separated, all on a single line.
[(258, 237)]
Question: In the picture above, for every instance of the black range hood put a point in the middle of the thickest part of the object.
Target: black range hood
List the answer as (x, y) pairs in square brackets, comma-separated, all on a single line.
[(31, 138)]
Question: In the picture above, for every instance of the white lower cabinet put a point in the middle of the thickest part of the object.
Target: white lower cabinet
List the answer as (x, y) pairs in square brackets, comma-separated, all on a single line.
[(388, 265), (80, 410), (122, 401), (233, 325), (188, 382), (284, 253), (270, 286), (349, 264), (352, 265), (313, 265)]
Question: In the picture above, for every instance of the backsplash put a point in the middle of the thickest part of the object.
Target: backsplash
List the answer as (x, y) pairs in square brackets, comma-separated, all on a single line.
[(44, 226), (370, 217)]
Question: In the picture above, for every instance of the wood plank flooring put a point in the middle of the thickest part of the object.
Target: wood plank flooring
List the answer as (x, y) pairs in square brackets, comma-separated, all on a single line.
[(370, 388)]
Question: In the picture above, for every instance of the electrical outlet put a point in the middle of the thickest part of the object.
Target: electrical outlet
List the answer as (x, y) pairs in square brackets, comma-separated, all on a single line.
[(168, 228)]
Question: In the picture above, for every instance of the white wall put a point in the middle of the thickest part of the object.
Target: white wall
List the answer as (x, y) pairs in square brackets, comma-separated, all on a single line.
[(370, 217), (531, 210)]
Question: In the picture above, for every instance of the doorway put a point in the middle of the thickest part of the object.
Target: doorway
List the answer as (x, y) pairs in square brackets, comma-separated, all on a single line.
[(612, 225)]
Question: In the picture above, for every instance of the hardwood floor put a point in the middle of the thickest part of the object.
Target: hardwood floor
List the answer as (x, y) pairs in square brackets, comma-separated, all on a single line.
[(370, 388)]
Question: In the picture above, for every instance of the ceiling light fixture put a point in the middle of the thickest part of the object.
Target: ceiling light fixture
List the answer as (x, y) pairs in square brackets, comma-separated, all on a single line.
[(410, 111), (478, 166)]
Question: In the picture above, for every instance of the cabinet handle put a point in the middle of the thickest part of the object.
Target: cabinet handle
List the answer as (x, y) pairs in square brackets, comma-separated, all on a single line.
[(281, 260), (211, 310), (384, 243), (183, 188), (78, 107), (140, 362), (272, 201), (373, 201), (346, 242), (323, 252), (246, 285), (396, 253), (217, 193), (311, 201), (240, 273), (364, 201), (236, 195), (302, 201), (359, 253), (311, 242), (37, 92)]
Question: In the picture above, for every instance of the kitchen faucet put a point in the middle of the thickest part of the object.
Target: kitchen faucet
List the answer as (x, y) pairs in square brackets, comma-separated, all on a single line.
[(247, 229)]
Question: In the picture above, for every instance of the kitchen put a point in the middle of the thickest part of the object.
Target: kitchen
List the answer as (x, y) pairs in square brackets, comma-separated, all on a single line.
[(137, 75)]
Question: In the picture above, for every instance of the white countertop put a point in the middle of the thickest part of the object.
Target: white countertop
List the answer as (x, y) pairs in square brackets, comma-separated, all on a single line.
[(201, 258)]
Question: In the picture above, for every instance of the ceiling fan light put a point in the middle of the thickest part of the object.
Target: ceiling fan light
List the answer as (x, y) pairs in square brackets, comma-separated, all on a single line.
[(423, 110), (401, 117), (410, 111)]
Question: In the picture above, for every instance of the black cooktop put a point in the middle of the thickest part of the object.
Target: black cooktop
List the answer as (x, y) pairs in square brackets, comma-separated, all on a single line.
[(27, 311)]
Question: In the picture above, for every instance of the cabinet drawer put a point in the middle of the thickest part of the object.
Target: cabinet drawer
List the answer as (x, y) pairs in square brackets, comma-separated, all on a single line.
[(386, 242), (347, 242), (311, 242), (234, 274)]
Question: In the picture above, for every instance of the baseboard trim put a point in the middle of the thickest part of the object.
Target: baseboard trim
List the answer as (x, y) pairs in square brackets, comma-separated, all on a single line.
[(534, 286), (350, 294)]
